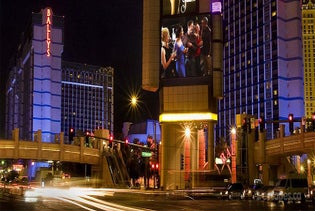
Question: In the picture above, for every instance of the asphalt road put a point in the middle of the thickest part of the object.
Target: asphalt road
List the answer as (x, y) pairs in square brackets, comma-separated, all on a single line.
[(128, 200)]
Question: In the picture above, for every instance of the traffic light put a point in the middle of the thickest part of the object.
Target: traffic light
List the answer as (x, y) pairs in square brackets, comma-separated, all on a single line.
[(126, 143), (261, 124), (71, 134), (313, 121), (154, 172), (291, 120), (87, 138), (111, 138), (244, 124), (155, 166), (182, 162)]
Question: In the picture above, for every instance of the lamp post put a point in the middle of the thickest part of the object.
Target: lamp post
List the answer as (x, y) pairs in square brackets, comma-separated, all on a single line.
[(134, 102), (234, 152)]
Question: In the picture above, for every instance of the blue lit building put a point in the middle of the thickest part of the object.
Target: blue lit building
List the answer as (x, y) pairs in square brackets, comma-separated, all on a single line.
[(48, 94), (142, 130), (87, 97), (263, 63)]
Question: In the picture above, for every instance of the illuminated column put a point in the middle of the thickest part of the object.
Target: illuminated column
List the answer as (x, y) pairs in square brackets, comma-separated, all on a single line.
[(201, 149), (234, 154), (309, 177), (187, 168), (211, 145)]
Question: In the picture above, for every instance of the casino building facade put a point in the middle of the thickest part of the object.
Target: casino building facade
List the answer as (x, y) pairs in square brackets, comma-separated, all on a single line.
[(45, 93), (263, 63)]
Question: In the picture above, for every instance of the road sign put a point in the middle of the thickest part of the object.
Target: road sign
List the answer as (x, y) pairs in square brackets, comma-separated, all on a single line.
[(146, 154)]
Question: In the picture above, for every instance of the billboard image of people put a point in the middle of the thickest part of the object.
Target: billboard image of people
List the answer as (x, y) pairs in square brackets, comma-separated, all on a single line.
[(186, 49)]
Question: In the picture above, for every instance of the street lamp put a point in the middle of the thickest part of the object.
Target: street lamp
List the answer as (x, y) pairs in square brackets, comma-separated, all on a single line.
[(134, 100), (233, 136), (187, 132), (135, 104)]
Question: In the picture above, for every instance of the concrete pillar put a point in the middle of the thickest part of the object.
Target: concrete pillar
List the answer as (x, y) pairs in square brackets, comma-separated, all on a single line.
[(62, 138), (266, 173), (151, 41), (210, 145), (264, 166), (39, 140), (15, 136), (252, 169), (262, 154), (172, 147), (217, 58)]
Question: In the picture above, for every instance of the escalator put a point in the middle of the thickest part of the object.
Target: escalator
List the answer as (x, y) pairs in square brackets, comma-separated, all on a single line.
[(116, 168)]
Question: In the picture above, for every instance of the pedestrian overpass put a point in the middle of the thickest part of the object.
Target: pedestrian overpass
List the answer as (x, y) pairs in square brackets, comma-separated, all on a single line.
[(107, 163), (37, 150), (270, 151), (297, 144), (273, 158)]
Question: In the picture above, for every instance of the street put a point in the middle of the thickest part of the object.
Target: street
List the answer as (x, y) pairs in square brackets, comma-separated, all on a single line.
[(131, 200)]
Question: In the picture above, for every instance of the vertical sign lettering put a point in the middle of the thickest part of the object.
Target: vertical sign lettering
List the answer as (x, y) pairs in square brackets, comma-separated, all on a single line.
[(48, 30)]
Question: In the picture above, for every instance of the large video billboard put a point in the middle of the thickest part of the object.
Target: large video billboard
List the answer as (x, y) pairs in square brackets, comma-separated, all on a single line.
[(186, 46), (177, 7)]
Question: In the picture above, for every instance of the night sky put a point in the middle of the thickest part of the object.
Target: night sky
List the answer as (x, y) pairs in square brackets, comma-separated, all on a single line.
[(96, 32)]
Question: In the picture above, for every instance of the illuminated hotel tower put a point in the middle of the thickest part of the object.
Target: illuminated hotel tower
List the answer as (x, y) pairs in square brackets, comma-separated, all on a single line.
[(48, 94), (308, 31), (263, 64), (34, 84), (87, 97)]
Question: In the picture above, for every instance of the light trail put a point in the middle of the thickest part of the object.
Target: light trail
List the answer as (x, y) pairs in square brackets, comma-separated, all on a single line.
[(81, 197)]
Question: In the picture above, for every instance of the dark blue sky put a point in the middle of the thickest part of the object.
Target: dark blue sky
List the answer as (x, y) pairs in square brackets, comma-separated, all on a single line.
[(97, 32)]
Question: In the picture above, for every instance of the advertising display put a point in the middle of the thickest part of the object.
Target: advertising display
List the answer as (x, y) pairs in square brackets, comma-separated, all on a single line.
[(186, 41), (186, 46), (177, 7)]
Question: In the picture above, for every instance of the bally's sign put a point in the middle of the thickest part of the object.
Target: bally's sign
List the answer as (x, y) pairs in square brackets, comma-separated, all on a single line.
[(48, 30)]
